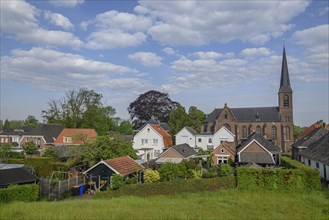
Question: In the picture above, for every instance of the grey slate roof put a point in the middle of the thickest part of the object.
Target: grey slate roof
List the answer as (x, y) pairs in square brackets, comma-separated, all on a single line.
[(152, 122), (265, 114), (261, 140), (185, 150), (310, 138), (256, 157), (191, 130), (285, 81), (318, 150)]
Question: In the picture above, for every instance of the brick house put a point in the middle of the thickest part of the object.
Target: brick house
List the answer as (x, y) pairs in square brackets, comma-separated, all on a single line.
[(74, 136)]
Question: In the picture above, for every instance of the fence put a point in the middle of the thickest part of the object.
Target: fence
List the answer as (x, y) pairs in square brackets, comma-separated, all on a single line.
[(56, 189)]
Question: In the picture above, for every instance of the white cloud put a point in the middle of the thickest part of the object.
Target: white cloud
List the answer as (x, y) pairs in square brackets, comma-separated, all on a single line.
[(207, 55), (19, 20), (54, 70), (58, 20), (253, 52), (114, 39), (203, 22), (66, 3), (146, 58), (169, 51), (312, 36)]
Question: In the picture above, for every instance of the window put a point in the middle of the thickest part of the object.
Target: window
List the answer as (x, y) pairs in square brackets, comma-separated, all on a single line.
[(199, 140), (285, 101), (155, 141), (287, 133), (225, 116), (228, 126), (148, 130), (250, 130), (222, 160), (317, 165), (210, 141), (264, 130), (67, 139), (222, 150), (273, 132), (258, 129), (309, 162), (244, 132), (144, 141), (210, 147)]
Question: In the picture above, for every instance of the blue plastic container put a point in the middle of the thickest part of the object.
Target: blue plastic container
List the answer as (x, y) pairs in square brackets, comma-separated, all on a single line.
[(82, 189)]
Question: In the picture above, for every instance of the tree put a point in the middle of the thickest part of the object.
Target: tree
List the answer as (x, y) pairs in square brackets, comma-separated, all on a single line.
[(5, 151), (172, 171), (31, 121), (80, 108), (178, 119), (103, 147), (196, 117), (6, 125), (125, 128), (151, 103), (29, 147), (151, 176)]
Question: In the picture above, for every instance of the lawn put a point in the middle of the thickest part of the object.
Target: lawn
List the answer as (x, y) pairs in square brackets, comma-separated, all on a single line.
[(224, 204)]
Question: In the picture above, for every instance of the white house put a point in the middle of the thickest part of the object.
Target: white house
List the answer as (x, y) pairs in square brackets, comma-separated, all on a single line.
[(316, 156), (186, 136), (150, 141)]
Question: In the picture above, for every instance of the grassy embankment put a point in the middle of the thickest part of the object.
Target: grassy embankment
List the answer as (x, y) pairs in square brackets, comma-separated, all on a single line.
[(224, 204)]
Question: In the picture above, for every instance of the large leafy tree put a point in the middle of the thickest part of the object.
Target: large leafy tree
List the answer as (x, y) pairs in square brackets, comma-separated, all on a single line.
[(196, 117), (151, 103), (103, 147), (78, 109), (31, 121)]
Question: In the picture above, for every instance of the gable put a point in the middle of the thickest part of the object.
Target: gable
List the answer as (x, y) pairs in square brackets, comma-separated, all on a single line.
[(254, 147), (171, 153), (223, 132), (226, 148)]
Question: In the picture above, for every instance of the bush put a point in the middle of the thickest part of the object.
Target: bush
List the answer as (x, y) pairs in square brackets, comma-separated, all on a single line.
[(172, 171), (207, 175), (171, 187), (151, 176), (29, 147), (225, 170), (299, 177), (25, 193), (117, 181)]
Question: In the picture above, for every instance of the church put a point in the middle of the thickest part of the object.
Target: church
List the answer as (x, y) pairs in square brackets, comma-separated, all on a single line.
[(274, 123)]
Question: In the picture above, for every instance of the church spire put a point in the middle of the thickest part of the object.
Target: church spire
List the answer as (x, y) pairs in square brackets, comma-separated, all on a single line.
[(285, 81)]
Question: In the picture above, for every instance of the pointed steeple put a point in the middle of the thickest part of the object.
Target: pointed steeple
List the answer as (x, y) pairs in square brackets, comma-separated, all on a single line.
[(285, 81)]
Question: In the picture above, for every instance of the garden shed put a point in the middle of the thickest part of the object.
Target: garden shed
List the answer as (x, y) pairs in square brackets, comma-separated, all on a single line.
[(16, 174), (102, 172)]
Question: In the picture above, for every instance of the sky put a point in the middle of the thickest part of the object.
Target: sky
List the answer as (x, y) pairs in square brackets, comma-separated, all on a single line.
[(202, 53)]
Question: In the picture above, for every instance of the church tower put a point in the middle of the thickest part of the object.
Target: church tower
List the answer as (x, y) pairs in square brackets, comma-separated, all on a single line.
[(285, 105)]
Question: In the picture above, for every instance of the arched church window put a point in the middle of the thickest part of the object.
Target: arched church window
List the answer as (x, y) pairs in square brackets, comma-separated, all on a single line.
[(273, 132), (225, 116), (249, 130), (244, 132), (228, 126), (258, 129), (264, 129), (287, 133), (285, 101)]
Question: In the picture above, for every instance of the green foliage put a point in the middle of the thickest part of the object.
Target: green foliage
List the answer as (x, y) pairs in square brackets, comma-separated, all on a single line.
[(29, 147), (196, 117), (298, 130), (125, 128), (51, 152), (31, 121), (151, 176), (12, 124), (172, 171), (43, 166), (208, 175), (116, 181), (5, 151), (225, 170), (80, 109), (172, 187), (103, 147), (297, 176), (25, 193)]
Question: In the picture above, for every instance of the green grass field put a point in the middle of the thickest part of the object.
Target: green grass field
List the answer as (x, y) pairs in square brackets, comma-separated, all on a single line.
[(229, 204)]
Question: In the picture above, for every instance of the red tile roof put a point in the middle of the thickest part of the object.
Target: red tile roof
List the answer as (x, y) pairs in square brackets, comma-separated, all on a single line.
[(227, 146), (78, 135), (124, 165), (311, 128), (167, 140)]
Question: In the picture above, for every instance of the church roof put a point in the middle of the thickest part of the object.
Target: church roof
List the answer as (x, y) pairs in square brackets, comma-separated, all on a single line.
[(285, 81), (253, 114)]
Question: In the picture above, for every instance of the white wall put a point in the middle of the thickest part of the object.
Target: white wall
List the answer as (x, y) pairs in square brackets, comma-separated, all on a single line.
[(185, 137), (313, 165), (222, 135), (149, 134), (202, 141)]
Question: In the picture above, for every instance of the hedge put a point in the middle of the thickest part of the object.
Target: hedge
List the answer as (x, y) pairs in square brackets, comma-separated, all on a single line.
[(296, 177), (25, 193), (43, 166), (171, 187)]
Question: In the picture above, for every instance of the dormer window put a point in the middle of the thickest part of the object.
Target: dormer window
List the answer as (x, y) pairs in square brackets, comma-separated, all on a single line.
[(285, 101), (67, 139)]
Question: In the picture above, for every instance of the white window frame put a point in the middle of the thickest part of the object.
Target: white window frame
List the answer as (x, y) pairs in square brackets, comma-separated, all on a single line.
[(67, 139)]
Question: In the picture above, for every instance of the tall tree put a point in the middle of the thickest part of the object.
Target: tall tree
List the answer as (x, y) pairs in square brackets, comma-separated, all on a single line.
[(6, 125), (80, 108), (151, 103), (178, 119), (31, 121), (196, 117), (125, 128)]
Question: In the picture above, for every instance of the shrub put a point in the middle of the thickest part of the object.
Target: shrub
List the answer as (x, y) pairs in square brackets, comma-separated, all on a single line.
[(26, 193), (207, 175), (172, 171), (151, 176), (51, 152), (117, 181), (225, 170), (29, 147), (171, 187)]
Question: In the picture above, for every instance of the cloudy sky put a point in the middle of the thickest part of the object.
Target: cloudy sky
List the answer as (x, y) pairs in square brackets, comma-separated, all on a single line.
[(203, 53)]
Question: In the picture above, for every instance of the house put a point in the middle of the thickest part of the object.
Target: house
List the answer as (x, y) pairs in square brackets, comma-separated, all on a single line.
[(186, 136), (313, 134), (274, 123), (223, 153), (103, 171), (75, 136), (256, 149), (205, 140), (43, 135), (15, 174), (152, 121), (312, 127), (176, 154), (150, 141), (316, 155)]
